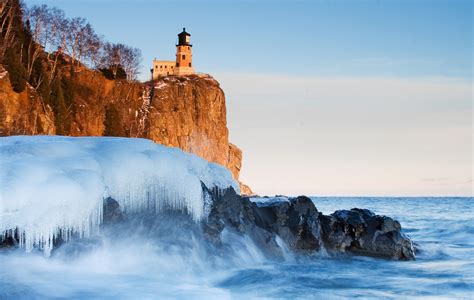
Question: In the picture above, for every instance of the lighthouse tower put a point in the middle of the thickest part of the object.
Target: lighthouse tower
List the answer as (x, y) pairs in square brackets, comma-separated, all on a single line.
[(184, 55)]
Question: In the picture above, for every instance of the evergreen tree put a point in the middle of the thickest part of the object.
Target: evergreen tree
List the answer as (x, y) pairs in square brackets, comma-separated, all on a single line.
[(39, 79), (121, 74), (68, 86), (16, 70), (107, 73), (111, 122), (59, 107), (13, 45), (114, 73)]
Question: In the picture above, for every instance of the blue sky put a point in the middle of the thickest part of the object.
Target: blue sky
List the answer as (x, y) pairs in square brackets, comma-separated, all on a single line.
[(324, 97), (361, 38)]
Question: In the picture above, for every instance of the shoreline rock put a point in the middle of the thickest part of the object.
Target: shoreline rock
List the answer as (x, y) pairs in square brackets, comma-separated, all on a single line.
[(296, 222), (305, 230), (361, 232)]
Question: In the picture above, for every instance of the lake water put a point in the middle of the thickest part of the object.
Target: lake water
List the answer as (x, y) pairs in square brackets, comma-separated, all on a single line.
[(176, 265)]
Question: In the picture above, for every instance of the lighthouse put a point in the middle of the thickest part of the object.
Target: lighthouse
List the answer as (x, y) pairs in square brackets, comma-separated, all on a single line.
[(183, 65), (184, 54)]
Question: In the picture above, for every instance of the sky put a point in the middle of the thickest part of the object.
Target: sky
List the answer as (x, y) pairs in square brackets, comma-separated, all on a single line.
[(342, 98)]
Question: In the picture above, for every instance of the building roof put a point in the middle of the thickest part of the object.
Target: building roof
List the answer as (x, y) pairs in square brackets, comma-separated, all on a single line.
[(184, 32)]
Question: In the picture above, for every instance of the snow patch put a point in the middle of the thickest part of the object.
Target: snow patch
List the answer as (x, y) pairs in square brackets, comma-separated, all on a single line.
[(53, 186), (268, 201), (161, 85)]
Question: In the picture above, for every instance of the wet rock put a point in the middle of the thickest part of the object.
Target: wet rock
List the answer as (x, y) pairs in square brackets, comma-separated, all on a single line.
[(112, 212), (361, 232), (297, 222), (267, 221), (10, 239), (294, 220), (235, 213)]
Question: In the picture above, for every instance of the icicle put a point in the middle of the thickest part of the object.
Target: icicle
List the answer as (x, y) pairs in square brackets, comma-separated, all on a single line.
[(53, 187)]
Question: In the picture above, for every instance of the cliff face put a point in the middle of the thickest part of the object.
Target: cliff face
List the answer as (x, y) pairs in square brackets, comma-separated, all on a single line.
[(188, 112), (23, 113), (99, 102)]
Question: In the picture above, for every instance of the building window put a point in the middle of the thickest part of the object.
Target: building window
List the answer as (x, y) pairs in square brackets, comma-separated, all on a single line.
[(189, 48), (177, 64), (184, 56), (166, 67), (189, 64)]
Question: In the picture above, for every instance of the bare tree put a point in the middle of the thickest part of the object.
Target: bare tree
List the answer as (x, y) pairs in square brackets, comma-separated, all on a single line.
[(94, 50), (58, 28), (74, 37), (3, 5), (7, 39), (118, 56), (112, 57), (89, 46), (131, 58), (52, 32), (38, 19), (59, 33)]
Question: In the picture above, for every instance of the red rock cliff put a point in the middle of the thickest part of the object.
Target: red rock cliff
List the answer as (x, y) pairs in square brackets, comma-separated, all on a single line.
[(23, 113), (188, 112)]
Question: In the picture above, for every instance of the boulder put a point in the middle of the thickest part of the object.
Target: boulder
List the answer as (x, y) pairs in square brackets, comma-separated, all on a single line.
[(361, 232)]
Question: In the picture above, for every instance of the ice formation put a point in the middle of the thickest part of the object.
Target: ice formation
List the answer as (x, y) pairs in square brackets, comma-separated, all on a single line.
[(53, 186), (268, 201)]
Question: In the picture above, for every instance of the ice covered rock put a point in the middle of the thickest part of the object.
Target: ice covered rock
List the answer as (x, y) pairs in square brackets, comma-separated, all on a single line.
[(53, 187), (112, 212)]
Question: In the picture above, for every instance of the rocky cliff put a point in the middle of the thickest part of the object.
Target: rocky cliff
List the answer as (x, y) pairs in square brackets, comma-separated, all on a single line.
[(188, 112), (23, 113)]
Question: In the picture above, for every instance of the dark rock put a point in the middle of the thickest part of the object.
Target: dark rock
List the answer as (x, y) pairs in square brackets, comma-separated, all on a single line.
[(267, 221), (361, 232), (10, 239), (303, 229), (112, 212), (295, 221), (236, 213)]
